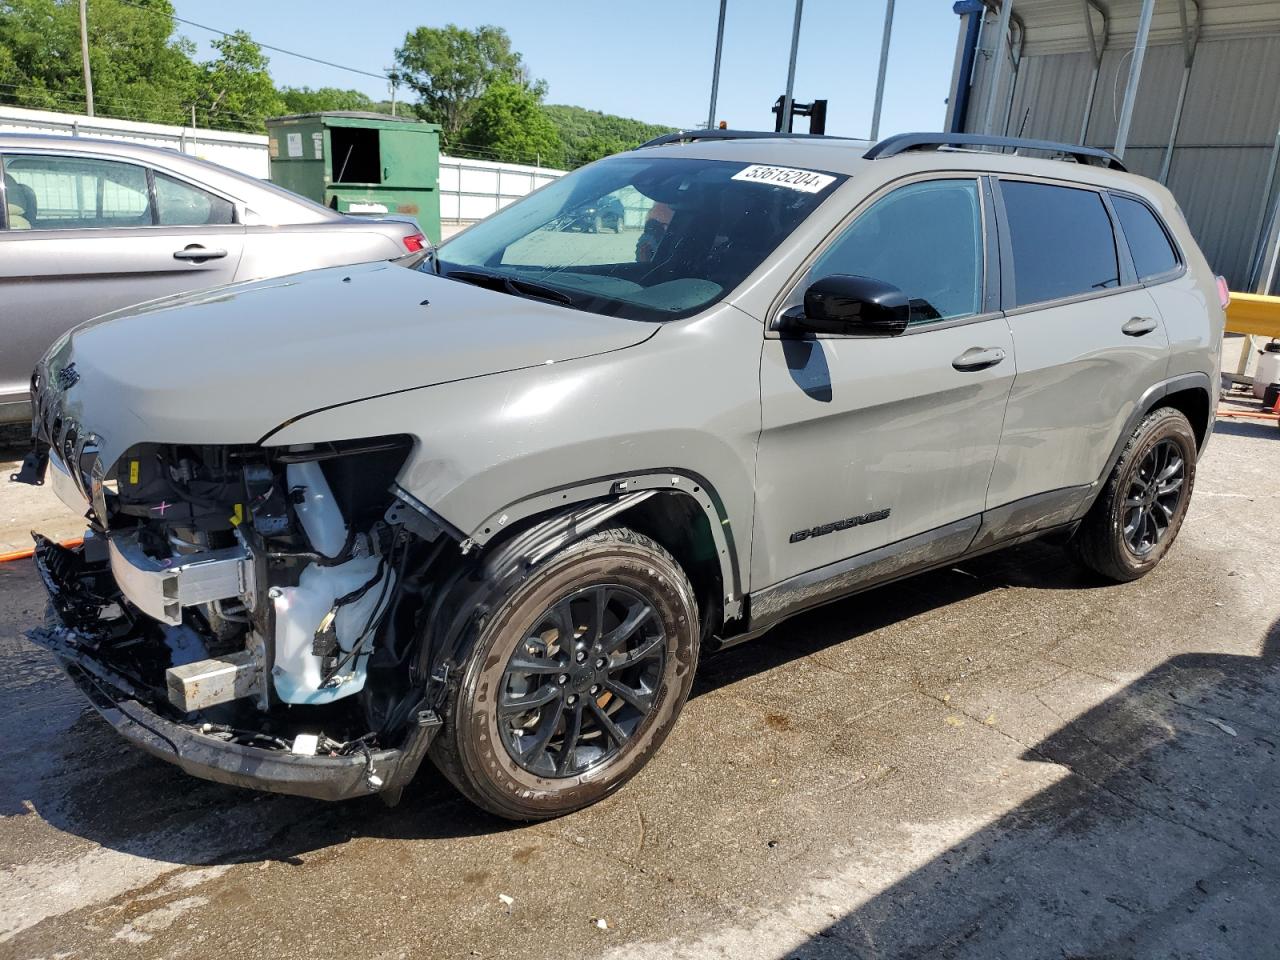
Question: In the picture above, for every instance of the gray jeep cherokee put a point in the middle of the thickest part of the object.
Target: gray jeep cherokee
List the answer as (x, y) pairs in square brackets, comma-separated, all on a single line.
[(493, 510)]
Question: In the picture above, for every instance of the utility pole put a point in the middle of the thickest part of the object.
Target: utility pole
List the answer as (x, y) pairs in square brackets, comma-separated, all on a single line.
[(392, 80), (84, 55), (791, 69), (884, 66), (715, 72)]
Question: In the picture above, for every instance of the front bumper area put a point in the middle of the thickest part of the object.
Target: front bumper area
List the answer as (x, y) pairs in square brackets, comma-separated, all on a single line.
[(80, 596)]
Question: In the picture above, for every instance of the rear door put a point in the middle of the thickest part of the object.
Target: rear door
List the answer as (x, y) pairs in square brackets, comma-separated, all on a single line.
[(86, 234), (869, 441), (1088, 338)]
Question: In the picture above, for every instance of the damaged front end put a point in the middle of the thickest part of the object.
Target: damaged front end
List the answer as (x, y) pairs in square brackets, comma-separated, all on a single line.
[(258, 616)]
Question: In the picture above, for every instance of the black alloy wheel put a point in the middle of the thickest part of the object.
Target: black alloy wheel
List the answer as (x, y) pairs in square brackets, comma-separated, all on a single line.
[(581, 681), (1155, 491)]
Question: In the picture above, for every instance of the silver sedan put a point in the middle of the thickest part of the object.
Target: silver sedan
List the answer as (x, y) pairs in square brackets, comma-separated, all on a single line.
[(88, 226)]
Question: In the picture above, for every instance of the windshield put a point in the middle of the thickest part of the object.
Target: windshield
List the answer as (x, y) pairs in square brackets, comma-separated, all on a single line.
[(638, 236)]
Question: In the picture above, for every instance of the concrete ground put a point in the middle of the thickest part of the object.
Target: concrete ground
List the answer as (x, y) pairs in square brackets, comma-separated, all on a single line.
[(1007, 759)]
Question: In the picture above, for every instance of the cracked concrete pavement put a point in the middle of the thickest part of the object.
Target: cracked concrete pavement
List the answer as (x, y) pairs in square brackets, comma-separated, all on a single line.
[(1006, 759)]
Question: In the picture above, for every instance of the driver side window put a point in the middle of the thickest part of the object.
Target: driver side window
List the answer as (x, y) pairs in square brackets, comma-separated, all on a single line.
[(926, 240)]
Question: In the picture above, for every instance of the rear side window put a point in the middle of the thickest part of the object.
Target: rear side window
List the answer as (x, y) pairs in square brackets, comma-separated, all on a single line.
[(179, 204), (1153, 254), (52, 193), (1063, 244), (926, 240)]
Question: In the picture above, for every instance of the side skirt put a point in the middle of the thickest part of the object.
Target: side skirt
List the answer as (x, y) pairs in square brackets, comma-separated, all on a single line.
[(1004, 526)]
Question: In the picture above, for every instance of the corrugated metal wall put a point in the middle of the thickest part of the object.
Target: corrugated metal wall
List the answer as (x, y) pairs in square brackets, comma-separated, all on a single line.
[(1228, 129)]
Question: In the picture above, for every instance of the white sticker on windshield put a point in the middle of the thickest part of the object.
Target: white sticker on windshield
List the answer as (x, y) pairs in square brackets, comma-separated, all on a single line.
[(806, 181)]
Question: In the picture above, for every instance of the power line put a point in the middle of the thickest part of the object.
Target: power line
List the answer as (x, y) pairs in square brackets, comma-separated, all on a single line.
[(264, 46)]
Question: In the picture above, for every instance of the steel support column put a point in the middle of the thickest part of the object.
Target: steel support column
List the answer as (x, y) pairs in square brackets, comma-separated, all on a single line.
[(997, 66), (1190, 40), (715, 71), (1015, 61), (789, 98), (1096, 49), (1135, 76), (884, 66)]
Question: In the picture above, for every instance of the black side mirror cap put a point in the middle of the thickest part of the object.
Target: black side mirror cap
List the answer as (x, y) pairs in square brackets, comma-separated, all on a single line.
[(852, 306)]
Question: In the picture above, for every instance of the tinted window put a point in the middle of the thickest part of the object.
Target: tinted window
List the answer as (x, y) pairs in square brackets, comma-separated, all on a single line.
[(1149, 244), (926, 240), (182, 205), (1062, 240), (49, 193)]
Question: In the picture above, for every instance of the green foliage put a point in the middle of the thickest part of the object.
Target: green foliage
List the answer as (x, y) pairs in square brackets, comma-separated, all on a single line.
[(508, 124), (589, 134), (140, 71), (236, 86), (306, 100), (450, 68)]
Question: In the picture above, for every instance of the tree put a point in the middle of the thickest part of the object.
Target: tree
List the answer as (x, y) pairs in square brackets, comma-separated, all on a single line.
[(306, 100), (508, 124), (450, 69), (140, 70), (236, 89)]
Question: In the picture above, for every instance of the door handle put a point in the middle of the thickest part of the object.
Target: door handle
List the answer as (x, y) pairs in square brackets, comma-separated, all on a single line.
[(978, 358), (197, 252), (1138, 326)]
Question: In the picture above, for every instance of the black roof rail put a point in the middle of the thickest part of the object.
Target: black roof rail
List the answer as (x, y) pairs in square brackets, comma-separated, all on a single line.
[(689, 136), (904, 142)]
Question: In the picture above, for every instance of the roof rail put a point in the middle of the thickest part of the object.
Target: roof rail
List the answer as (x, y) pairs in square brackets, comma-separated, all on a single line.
[(689, 136), (904, 142)]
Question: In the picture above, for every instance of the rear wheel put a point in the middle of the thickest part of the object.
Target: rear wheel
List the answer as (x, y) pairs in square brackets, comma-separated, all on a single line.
[(1140, 511), (575, 680)]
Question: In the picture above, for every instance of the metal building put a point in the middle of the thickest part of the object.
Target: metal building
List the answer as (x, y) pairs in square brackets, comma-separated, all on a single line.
[(1187, 90)]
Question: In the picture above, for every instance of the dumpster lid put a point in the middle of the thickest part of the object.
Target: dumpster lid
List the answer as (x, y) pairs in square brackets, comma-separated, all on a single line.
[(351, 115)]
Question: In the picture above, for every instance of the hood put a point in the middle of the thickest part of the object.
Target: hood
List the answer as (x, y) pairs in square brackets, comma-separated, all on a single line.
[(230, 364)]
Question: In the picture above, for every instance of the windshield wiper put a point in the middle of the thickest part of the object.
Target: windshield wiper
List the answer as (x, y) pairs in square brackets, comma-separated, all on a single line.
[(512, 285)]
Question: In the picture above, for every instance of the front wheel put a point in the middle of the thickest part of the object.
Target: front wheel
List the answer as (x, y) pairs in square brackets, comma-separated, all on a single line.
[(575, 680), (1140, 511)]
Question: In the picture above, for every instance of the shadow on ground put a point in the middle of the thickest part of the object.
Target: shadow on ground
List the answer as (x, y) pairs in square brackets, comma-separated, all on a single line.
[(1162, 840)]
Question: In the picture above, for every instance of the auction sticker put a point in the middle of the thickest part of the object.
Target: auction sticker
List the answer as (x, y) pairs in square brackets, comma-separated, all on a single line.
[(806, 181)]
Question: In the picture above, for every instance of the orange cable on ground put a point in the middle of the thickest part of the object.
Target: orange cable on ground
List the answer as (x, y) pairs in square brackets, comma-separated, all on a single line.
[(30, 551)]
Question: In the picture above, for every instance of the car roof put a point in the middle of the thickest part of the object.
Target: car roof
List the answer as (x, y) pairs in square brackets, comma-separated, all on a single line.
[(269, 201), (848, 156)]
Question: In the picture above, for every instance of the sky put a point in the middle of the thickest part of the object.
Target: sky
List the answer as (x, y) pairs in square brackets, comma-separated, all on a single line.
[(651, 61)]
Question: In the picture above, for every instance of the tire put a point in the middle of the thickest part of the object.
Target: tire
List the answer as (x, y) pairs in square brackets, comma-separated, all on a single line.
[(1130, 527), (518, 763)]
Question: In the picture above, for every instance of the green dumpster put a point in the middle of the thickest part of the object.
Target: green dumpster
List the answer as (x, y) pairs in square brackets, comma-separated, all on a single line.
[(360, 163)]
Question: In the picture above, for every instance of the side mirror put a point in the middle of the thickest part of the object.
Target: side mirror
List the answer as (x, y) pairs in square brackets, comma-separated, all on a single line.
[(849, 306)]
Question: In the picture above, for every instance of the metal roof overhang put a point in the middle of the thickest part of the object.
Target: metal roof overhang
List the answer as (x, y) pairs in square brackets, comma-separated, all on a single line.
[(1058, 26)]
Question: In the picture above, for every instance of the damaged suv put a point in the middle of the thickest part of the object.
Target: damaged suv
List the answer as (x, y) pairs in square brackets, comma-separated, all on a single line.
[(491, 511)]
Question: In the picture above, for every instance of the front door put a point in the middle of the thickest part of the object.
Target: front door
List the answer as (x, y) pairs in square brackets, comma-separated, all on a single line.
[(85, 235), (868, 442)]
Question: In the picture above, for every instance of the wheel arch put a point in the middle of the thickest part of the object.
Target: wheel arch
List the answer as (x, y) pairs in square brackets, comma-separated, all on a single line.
[(678, 508), (1190, 393)]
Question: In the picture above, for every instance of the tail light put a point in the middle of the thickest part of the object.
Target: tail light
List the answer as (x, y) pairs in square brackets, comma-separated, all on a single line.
[(414, 242), (1224, 292)]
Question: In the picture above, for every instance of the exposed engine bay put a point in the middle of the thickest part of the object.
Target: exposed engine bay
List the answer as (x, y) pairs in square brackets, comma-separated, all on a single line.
[(272, 599)]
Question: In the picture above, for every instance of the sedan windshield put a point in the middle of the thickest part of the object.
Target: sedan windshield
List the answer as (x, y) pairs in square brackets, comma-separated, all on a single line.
[(638, 236)]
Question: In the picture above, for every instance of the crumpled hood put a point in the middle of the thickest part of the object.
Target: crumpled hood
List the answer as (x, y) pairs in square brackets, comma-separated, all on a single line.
[(231, 364)]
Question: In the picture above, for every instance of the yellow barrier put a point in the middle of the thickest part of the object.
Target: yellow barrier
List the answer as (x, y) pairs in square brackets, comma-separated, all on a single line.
[(1254, 314)]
